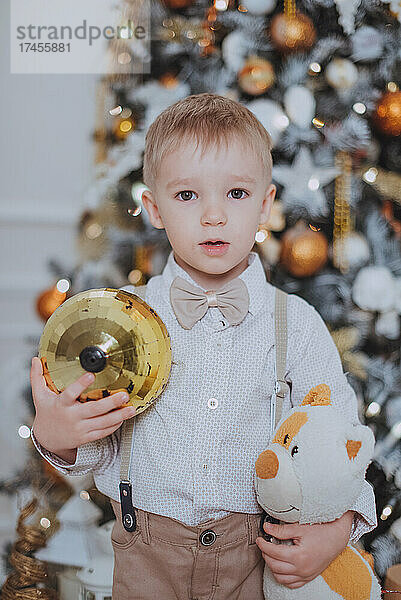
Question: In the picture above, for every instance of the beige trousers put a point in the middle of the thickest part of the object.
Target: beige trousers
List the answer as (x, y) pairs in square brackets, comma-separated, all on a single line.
[(165, 559)]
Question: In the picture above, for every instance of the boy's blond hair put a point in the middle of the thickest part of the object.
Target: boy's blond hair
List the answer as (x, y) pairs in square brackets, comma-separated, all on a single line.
[(207, 119)]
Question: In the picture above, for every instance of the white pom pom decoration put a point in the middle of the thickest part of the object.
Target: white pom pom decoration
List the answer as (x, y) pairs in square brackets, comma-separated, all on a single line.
[(259, 7), (300, 105), (234, 50), (367, 44), (388, 325), (271, 115), (374, 289)]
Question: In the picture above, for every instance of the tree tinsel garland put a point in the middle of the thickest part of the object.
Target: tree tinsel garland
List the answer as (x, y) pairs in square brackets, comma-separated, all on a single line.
[(30, 574)]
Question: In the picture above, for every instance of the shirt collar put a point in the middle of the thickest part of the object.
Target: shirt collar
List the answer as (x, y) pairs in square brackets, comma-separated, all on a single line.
[(253, 276)]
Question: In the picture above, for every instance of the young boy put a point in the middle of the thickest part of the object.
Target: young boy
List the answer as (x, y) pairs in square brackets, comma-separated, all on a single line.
[(207, 166)]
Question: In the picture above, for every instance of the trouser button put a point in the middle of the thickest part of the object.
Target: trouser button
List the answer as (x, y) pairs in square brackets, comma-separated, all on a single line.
[(207, 538)]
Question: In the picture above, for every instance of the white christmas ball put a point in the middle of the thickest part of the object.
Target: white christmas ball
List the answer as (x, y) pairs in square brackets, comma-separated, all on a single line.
[(259, 7), (271, 115), (388, 325), (374, 289), (355, 250), (367, 44), (234, 50), (393, 411), (341, 73), (300, 105)]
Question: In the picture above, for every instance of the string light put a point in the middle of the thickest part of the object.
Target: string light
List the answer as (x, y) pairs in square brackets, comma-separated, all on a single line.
[(84, 495), (24, 432), (386, 512), (117, 110), (370, 175), (317, 122), (134, 276), (359, 108), (315, 68), (373, 409), (261, 236), (221, 5), (44, 521), (242, 8), (63, 285), (134, 212), (392, 86), (314, 227)]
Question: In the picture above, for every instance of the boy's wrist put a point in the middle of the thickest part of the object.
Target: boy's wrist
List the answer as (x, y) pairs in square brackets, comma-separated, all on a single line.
[(69, 455)]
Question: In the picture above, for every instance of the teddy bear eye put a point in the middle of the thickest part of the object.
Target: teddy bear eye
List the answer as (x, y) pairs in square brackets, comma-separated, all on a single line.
[(294, 450), (286, 438)]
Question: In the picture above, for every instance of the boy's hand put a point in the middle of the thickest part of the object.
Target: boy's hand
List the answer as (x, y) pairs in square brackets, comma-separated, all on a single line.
[(315, 547), (62, 423)]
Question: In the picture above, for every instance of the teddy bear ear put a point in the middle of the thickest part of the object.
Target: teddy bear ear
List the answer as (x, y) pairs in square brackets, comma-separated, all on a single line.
[(318, 396)]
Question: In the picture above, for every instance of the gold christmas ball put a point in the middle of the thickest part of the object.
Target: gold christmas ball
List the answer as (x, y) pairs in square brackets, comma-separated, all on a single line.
[(177, 4), (292, 34), (303, 252), (48, 301), (387, 117), (256, 76)]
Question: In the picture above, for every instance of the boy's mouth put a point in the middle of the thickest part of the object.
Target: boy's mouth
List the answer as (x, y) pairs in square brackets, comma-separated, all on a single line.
[(213, 243)]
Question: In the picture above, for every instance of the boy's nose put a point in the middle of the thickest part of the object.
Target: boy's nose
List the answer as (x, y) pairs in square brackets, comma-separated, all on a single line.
[(213, 216)]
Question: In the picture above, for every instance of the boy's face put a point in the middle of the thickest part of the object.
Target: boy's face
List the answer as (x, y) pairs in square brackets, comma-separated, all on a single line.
[(222, 195)]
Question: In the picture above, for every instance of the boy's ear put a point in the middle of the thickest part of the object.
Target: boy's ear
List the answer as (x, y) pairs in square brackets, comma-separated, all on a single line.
[(267, 204), (151, 207)]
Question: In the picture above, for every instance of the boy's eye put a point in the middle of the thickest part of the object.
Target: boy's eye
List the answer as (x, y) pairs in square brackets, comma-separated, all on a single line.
[(237, 192), (186, 195)]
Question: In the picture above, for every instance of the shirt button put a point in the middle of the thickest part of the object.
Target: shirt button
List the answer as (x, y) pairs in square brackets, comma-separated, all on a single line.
[(212, 403)]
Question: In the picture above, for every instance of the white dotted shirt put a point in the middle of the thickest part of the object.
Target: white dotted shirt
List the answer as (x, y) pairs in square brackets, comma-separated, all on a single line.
[(195, 448)]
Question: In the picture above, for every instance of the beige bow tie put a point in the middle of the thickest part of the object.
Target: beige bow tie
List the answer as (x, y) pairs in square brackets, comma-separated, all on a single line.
[(190, 302)]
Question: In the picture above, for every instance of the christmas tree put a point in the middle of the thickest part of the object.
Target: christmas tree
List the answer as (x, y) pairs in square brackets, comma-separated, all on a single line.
[(322, 76)]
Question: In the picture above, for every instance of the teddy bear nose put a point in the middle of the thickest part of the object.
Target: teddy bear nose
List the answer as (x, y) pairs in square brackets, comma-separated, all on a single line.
[(267, 465)]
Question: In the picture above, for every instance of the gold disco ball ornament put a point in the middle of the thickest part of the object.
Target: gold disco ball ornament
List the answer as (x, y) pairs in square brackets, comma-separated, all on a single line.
[(115, 335)]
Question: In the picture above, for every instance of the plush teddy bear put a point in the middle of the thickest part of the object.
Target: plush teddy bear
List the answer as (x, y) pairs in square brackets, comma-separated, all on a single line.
[(313, 472)]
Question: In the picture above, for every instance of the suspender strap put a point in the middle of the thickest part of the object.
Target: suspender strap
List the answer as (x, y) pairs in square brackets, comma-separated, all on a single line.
[(281, 386), (127, 436)]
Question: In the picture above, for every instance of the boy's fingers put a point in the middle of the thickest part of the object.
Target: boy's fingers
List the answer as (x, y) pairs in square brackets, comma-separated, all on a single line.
[(38, 382), (101, 407), (279, 566), (98, 434), (111, 419), (281, 552), (74, 390), (283, 531)]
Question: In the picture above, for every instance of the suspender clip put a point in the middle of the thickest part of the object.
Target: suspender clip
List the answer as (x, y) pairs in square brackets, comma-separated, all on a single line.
[(127, 509), (280, 388)]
